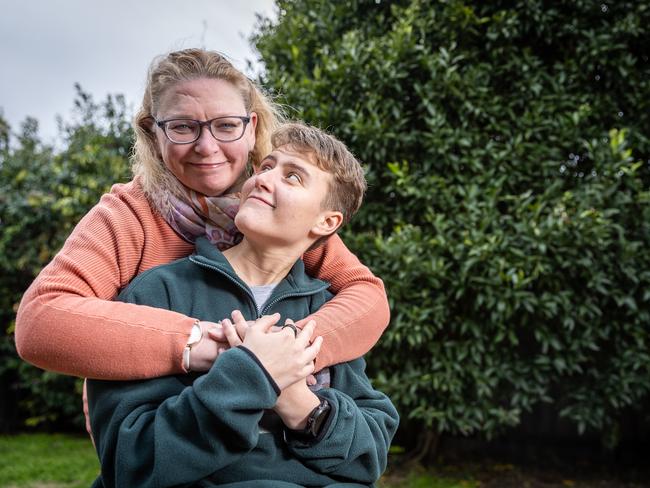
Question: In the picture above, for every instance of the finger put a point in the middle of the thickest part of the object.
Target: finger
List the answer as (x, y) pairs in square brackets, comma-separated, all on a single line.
[(267, 321), (311, 380), (313, 349), (231, 333), (238, 318), (304, 335), (289, 321), (217, 334), (241, 324), (292, 328), (241, 328), (309, 369)]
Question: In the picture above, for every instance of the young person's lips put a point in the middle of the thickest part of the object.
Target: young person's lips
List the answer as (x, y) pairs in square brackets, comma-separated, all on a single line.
[(260, 199)]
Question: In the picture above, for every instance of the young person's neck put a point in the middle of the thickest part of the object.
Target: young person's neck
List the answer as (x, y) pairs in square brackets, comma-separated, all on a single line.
[(261, 265)]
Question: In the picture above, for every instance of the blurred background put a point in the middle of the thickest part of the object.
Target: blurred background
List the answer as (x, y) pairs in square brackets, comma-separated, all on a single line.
[(507, 148)]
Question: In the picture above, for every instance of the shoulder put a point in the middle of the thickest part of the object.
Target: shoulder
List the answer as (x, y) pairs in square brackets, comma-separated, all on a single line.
[(299, 279), (125, 212), (314, 289), (124, 196), (149, 284), (125, 203)]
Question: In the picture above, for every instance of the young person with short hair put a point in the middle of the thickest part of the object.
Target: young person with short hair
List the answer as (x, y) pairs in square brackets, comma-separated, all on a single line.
[(252, 420)]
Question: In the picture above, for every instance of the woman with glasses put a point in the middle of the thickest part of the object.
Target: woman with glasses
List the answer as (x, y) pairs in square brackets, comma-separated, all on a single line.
[(202, 123)]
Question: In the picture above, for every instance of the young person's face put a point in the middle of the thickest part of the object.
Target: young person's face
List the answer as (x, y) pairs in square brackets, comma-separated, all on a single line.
[(206, 165), (282, 201)]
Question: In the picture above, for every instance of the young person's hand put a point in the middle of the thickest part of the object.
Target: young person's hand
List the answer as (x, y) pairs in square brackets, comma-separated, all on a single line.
[(294, 405), (287, 356)]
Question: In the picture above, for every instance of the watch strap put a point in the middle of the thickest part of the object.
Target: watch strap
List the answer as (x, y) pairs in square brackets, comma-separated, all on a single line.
[(316, 421)]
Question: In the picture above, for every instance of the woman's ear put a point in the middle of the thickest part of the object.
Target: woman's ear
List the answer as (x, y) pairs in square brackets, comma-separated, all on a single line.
[(328, 222)]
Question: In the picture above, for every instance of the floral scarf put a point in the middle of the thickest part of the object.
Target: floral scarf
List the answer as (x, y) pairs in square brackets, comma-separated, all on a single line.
[(198, 215)]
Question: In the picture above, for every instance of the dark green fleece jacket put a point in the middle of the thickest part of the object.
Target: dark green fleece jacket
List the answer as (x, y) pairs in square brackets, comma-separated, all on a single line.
[(216, 429)]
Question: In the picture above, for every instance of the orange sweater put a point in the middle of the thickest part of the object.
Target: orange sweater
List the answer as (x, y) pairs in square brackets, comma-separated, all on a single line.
[(67, 322)]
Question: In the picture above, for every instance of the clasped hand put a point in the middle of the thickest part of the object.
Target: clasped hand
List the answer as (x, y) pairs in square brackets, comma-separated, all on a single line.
[(287, 357)]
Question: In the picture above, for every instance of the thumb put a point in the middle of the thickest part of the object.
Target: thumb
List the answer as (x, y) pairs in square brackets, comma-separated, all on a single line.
[(267, 321)]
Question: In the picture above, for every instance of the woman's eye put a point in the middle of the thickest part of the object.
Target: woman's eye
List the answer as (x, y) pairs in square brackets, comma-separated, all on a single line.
[(226, 127), (180, 127), (295, 177)]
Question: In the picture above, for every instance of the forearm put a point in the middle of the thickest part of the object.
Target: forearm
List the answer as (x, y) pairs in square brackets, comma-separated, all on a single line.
[(67, 321), (96, 338), (352, 322), (162, 433), (294, 409)]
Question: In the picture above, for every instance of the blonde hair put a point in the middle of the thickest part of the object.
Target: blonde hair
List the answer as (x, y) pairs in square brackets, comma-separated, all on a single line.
[(166, 71), (348, 183)]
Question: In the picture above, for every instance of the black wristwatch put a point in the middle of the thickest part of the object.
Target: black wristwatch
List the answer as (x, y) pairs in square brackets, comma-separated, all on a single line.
[(315, 423)]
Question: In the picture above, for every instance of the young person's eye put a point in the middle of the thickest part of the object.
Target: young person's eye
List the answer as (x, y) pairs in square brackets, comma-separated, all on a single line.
[(294, 177), (264, 167)]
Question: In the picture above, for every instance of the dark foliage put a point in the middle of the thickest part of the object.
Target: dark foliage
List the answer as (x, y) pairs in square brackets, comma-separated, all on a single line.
[(507, 152)]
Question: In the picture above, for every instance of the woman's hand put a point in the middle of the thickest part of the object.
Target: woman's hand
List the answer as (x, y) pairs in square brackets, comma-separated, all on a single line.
[(241, 325), (212, 344), (286, 356)]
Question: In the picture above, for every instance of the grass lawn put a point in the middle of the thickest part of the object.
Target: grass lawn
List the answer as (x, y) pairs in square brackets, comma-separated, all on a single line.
[(64, 461), (47, 461)]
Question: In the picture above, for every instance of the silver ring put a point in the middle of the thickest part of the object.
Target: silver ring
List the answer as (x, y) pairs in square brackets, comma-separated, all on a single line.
[(293, 327)]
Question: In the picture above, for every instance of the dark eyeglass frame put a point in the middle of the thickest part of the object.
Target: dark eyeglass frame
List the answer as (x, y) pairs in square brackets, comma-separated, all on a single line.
[(202, 123)]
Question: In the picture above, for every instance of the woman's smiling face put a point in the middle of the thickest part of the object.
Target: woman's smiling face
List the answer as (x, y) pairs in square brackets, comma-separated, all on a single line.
[(206, 165)]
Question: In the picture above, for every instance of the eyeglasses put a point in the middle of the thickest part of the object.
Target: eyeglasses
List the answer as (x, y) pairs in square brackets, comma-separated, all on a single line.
[(187, 131)]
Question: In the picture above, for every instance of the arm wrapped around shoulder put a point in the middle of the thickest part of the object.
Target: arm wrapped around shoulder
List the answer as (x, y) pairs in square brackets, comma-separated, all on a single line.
[(67, 322), (352, 322)]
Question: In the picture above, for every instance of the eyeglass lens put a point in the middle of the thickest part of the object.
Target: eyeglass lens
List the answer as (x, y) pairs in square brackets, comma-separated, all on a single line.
[(224, 129)]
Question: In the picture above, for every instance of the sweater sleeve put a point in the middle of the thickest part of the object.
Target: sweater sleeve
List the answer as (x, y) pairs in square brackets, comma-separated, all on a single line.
[(352, 322), (358, 432), (162, 433), (67, 322)]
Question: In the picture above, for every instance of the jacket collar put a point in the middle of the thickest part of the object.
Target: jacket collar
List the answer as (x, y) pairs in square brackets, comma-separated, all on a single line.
[(296, 281)]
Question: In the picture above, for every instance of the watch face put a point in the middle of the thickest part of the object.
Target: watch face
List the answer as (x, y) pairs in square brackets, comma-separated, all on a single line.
[(318, 418)]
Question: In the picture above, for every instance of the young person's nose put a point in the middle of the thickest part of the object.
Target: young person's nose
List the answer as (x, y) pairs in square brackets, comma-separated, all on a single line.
[(264, 180)]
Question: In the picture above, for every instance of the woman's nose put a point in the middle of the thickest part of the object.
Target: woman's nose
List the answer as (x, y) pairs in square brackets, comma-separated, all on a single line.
[(206, 144)]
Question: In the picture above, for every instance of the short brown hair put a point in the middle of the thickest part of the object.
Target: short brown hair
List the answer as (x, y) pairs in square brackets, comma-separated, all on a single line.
[(329, 154)]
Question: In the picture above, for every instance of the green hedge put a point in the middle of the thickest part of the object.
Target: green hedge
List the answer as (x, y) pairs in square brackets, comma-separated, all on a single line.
[(508, 212), (44, 192)]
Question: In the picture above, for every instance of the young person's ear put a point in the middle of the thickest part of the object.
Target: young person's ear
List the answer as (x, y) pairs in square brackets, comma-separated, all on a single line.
[(327, 223)]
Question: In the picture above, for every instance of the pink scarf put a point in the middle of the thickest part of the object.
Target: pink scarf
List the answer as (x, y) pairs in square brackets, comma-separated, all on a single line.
[(198, 215)]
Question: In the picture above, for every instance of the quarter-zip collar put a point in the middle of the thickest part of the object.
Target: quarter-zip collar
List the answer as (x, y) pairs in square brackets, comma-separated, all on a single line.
[(296, 283)]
